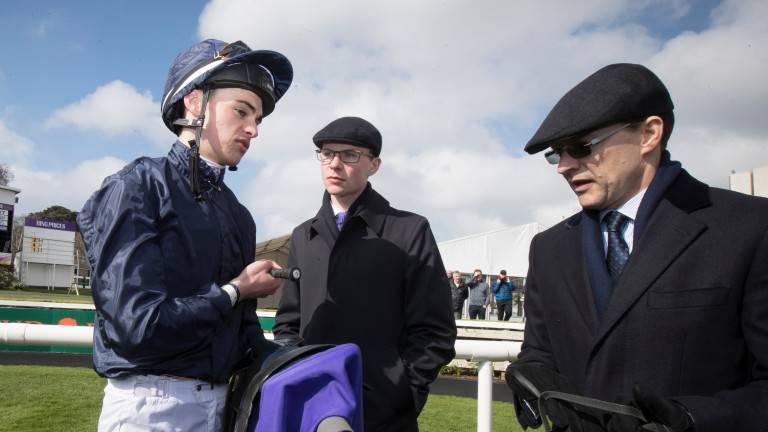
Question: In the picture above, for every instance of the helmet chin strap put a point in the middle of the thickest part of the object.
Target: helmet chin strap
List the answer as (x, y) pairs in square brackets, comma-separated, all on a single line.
[(194, 146)]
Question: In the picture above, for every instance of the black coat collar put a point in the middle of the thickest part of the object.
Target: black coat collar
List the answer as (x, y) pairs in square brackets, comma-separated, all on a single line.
[(369, 208)]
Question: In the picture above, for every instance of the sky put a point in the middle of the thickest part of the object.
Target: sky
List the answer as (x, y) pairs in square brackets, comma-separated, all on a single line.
[(456, 87)]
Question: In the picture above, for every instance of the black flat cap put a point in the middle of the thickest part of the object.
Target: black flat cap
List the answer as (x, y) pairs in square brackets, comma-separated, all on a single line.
[(350, 130), (613, 94)]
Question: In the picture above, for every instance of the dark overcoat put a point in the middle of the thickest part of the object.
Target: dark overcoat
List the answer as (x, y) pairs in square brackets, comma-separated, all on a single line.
[(379, 283), (688, 317)]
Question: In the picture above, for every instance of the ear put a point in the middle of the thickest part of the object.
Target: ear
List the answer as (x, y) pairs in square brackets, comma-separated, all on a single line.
[(651, 131), (193, 101), (375, 164)]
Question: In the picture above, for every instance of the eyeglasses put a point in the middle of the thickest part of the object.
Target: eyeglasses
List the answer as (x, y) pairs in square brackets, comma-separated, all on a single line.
[(581, 150), (347, 156)]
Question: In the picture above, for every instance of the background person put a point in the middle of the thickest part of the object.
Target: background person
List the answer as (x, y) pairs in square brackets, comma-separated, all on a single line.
[(667, 309), (503, 289), (459, 293), (371, 275), (171, 249), (479, 295)]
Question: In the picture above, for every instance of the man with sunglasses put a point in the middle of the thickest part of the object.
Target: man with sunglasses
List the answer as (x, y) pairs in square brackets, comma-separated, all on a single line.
[(663, 309), (171, 249), (371, 275)]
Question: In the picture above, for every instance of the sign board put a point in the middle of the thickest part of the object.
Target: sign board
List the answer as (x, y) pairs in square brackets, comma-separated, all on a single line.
[(6, 233), (5, 217), (48, 253)]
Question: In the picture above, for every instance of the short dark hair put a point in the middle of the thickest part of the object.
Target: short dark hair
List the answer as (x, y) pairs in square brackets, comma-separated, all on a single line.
[(669, 122), (668, 118)]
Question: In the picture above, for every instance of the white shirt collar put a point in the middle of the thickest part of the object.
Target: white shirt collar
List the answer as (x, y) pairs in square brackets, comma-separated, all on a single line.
[(629, 208)]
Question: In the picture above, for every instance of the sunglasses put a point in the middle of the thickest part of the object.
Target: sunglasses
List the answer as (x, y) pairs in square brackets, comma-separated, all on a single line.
[(580, 150)]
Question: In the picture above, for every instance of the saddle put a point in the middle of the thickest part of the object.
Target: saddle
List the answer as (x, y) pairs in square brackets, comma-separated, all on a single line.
[(314, 388)]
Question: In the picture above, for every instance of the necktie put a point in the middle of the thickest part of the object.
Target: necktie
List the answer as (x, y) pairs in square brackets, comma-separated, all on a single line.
[(340, 219), (618, 251)]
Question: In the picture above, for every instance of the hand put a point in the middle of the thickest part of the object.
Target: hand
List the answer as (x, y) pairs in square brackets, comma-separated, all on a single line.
[(623, 423), (661, 414), (528, 381), (255, 281)]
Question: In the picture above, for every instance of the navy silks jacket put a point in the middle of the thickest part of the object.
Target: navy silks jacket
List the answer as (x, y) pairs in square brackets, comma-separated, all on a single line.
[(158, 259)]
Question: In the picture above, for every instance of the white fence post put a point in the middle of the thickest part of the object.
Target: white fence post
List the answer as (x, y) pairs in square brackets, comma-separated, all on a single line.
[(484, 396)]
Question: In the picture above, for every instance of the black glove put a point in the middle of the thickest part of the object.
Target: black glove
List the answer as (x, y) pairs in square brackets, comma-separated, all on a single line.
[(623, 423), (662, 415), (663, 412), (528, 381)]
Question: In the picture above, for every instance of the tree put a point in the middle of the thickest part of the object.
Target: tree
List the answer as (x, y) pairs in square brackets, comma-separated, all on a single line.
[(18, 230), (6, 174), (57, 213), (9, 281)]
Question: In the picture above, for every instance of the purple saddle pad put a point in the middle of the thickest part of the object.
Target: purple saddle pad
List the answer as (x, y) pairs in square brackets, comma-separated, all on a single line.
[(303, 394)]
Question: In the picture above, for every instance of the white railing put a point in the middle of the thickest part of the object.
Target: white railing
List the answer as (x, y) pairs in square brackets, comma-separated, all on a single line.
[(481, 351), (44, 334)]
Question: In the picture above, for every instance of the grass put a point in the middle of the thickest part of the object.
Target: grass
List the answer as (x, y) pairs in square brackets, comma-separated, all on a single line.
[(55, 399), (68, 399), (58, 295), (458, 414)]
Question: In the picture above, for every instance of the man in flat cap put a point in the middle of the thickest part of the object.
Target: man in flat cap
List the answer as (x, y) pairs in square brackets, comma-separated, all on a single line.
[(655, 293), (371, 275)]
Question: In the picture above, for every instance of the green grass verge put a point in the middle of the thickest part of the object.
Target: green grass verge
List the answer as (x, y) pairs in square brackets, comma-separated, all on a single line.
[(37, 398), (43, 295), (458, 414), (66, 399)]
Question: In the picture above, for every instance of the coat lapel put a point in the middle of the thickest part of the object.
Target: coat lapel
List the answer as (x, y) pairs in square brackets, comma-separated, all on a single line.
[(670, 231), (574, 264)]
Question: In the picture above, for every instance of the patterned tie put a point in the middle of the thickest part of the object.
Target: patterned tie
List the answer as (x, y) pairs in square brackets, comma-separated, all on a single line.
[(340, 219), (618, 251)]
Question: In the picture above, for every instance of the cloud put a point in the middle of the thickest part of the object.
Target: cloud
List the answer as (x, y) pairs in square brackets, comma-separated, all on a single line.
[(457, 88), (282, 194), (17, 149), (40, 28), (68, 188), (115, 108), (716, 77)]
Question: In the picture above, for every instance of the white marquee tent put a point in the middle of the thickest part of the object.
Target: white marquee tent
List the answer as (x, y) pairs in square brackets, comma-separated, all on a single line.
[(491, 251)]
